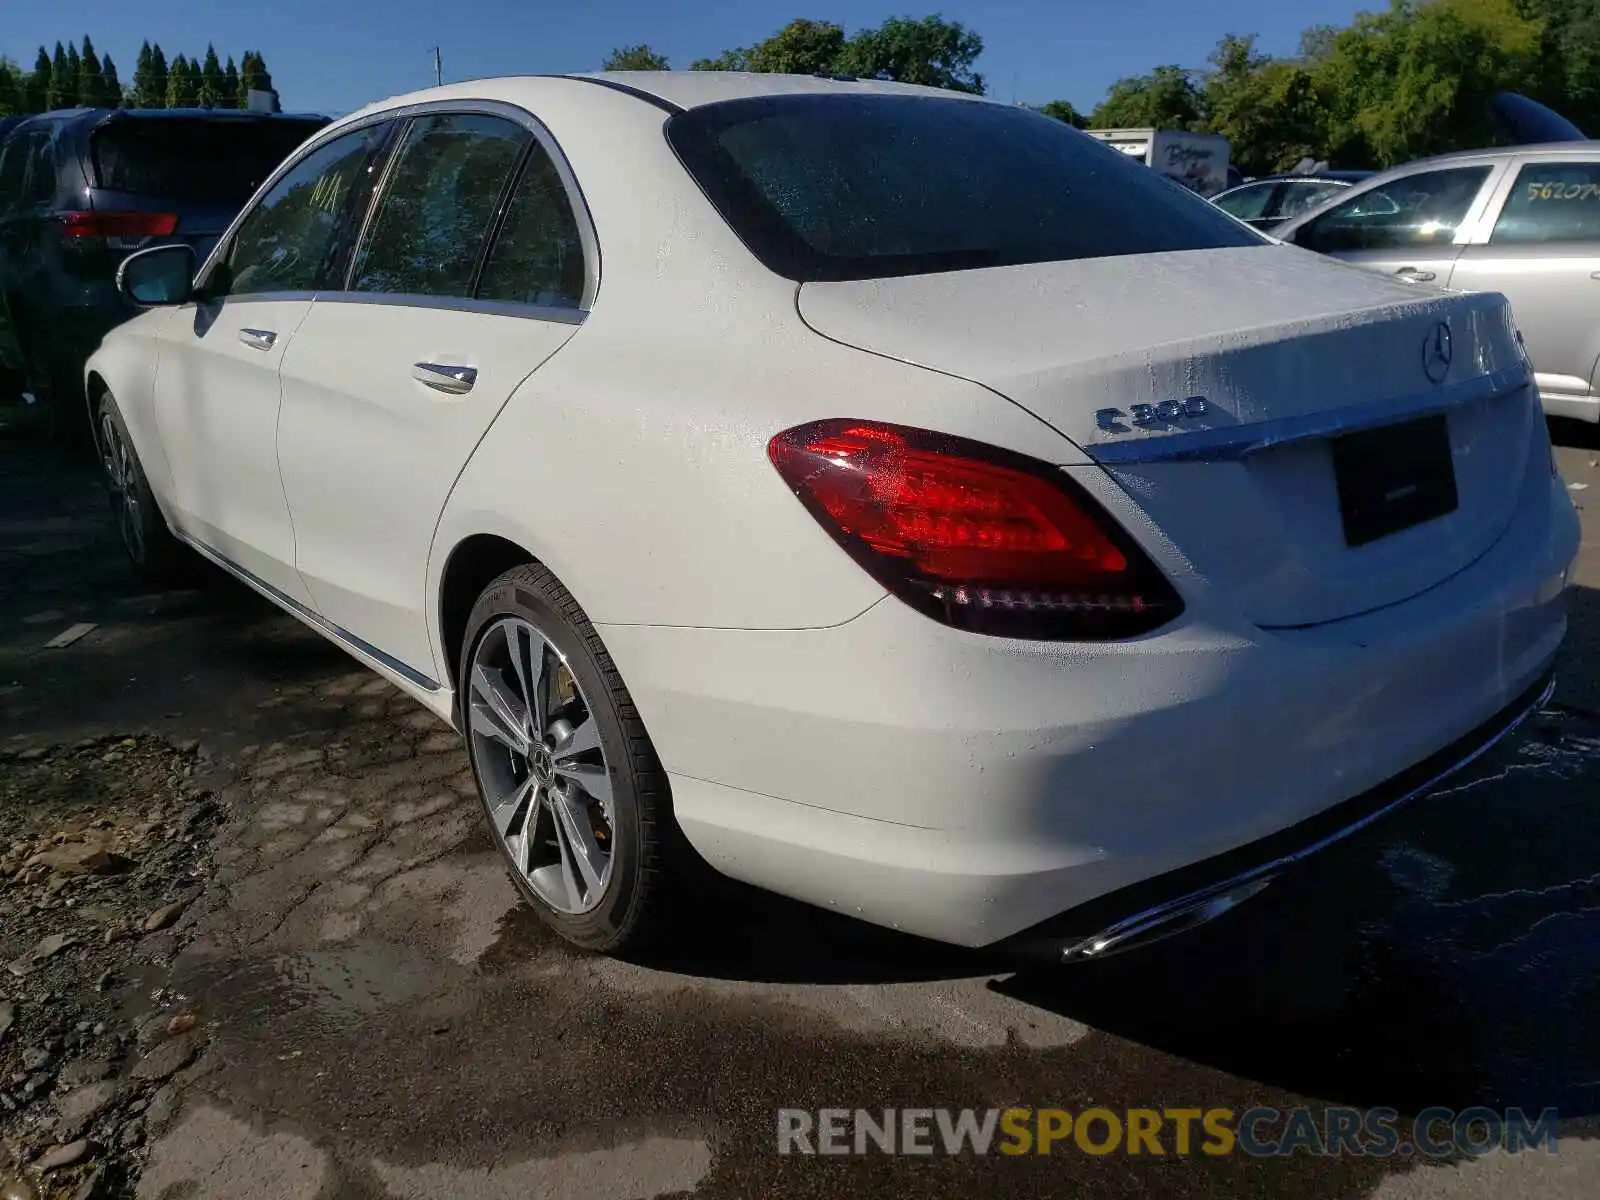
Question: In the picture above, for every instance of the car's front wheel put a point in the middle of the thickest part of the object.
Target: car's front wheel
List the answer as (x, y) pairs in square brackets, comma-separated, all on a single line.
[(151, 548), (576, 801)]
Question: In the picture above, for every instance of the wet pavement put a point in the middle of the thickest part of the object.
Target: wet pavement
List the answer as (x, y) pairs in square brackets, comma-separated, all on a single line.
[(385, 1020)]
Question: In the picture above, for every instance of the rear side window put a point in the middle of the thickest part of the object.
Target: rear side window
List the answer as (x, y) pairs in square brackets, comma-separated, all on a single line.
[(437, 205), (537, 258), (860, 187), (1411, 212), (41, 185), (13, 168), (288, 241), (1551, 202), (196, 159)]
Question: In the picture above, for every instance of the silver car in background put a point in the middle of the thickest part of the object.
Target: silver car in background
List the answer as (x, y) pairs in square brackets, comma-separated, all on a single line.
[(1521, 220)]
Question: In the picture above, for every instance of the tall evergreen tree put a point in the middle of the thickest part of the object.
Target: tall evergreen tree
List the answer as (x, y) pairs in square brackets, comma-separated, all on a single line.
[(91, 86), (230, 85), (247, 75), (11, 88), (110, 86), (69, 86), (181, 92), (38, 85), (158, 76), (59, 95), (211, 81)]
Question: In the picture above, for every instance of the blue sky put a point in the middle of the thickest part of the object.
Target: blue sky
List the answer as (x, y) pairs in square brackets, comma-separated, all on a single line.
[(336, 55)]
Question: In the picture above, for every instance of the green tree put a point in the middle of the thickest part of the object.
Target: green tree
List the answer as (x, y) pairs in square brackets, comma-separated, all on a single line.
[(729, 60), (12, 88), (930, 51), (91, 83), (70, 89), (253, 76), (63, 82), (230, 85), (1416, 79), (182, 92), (1568, 74), (635, 58), (39, 85), (150, 78), (211, 80), (1061, 110), (1269, 109), (111, 94), (1167, 98), (801, 47)]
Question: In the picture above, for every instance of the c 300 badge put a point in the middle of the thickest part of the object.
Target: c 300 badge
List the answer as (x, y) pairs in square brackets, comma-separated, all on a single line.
[(1142, 416)]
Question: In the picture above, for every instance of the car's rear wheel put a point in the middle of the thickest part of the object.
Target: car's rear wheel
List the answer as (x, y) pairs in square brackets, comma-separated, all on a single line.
[(150, 546), (576, 801)]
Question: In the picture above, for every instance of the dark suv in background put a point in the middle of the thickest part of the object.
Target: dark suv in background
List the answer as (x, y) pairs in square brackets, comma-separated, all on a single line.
[(81, 189)]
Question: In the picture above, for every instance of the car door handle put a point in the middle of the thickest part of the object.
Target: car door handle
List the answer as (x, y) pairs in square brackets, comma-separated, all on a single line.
[(442, 377), (1413, 273), (258, 339)]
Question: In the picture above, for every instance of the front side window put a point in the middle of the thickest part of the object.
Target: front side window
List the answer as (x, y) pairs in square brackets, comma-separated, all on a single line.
[(438, 205), (838, 187), (1413, 211), (1551, 203), (290, 240), (537, 257), (1247, 203)]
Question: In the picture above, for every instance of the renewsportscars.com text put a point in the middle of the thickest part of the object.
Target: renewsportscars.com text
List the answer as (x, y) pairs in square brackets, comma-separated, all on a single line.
[(1259, 1132)]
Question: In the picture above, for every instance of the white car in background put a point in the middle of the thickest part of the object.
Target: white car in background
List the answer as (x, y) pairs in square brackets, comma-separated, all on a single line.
[(896, 499)]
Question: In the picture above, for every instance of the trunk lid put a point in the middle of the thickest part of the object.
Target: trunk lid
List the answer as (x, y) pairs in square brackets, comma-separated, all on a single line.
[(1288, 350)]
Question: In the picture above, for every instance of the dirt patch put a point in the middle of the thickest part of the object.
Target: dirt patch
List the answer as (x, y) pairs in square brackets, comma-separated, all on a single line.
[(103, 846)]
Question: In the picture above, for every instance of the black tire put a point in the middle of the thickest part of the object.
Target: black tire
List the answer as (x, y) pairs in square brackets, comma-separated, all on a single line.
[(150, 546), (647, 849)]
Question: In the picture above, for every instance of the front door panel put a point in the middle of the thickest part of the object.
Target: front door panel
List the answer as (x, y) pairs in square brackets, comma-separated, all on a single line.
[(217, 405)]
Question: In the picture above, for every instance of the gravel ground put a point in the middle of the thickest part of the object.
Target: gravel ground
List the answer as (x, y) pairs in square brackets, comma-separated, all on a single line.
[(105, 847)]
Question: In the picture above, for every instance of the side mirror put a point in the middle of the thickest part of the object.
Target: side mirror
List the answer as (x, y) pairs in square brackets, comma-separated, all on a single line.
[(159, 275)]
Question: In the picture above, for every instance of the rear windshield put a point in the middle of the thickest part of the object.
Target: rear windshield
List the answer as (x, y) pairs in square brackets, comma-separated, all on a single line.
[(837, 187), (203, 160)]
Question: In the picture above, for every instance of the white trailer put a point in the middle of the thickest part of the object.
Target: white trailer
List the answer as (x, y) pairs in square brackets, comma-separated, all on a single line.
[(1199, 161)]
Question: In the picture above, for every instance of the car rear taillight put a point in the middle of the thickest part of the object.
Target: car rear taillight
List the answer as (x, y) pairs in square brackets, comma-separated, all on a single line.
[(976, 537), (126, 229)]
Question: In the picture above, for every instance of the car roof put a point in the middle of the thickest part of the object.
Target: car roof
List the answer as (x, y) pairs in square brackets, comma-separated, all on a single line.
[(672, 90), (1495, 153)]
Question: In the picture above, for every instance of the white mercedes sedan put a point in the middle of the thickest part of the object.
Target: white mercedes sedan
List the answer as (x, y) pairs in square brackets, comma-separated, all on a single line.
[(892, 498)]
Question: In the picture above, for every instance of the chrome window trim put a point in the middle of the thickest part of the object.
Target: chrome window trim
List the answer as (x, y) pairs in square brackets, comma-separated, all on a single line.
[(315, 619), (494, 108), (496, 308), (1216, 445)]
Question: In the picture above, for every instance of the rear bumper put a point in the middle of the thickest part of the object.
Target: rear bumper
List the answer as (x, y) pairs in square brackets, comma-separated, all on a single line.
[(968, 788), (1155, 908)]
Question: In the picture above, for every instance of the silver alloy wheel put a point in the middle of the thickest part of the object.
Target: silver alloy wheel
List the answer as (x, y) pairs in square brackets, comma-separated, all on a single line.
[(536, 746), (122, 479)]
